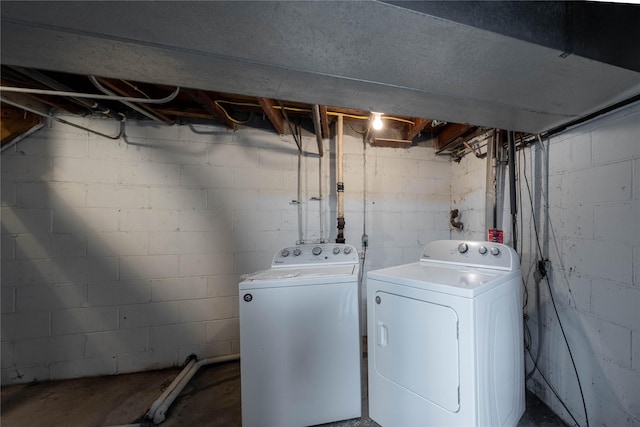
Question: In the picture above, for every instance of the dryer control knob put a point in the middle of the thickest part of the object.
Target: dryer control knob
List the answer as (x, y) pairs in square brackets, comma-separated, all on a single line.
[(463, 247), (284, 253), (482, 250), (495, 251), (317, 250), (347, 250), (336, 250), (296, 252)]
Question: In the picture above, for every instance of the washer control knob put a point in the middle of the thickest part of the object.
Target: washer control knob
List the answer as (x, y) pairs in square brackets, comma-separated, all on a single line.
[(463, 247), (336, 250), (297, 252), (317, 250), (284, 253), (347, 250), (495, 251), (482, 250)]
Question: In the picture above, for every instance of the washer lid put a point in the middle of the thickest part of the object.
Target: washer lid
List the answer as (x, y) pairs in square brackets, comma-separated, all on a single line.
[(302, 276), (454, 280)]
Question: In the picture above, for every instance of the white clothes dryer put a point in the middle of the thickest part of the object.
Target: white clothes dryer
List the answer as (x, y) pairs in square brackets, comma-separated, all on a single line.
[(299, 338), (445, 338)]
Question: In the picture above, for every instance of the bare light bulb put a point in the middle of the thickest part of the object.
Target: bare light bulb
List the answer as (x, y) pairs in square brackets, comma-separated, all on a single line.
[(377, 121)]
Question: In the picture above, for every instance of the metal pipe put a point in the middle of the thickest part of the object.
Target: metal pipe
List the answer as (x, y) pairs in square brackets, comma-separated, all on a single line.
[(512, 190), (123, 100), (339, 179), (110, 95), (318, 129), (34, 111)]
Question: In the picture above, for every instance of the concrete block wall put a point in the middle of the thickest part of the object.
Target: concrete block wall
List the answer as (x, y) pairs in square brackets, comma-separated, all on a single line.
[(125, 255), (587, 210)]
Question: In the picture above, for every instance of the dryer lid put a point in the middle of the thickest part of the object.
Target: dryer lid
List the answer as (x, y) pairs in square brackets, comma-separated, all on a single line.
[(290, 276), (454, 280)]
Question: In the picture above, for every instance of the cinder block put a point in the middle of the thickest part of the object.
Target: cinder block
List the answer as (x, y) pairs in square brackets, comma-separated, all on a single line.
[(104, 149), (626, 381), (205, 264), (7, 193), (178, 198), (117, 244), (276, 200), (25, 325), (85, 170), (178, 242), (22, 375), (175, 336), (437, 169), (51, 195), (148, 267), (51, 245), (264, 220), (8, 247), (8, 299), (233, 155), (284, 159), (617, 140), (145, 360), (574, 222), (223, 330), (223, 285), (597, 258), (618, 222), (199, 310), (85, 220), (84, 320), (180, 152), (567, 154), (636, 265), (116, 342), (608, 183), (616, 303), (400, 167), (611, 341), (262, 179), (152, 174), (635, 351), (94, 366), (206, 176), (53, 297), (213, 219), (117, 196), (20, 168), (119, 293), (6, 354), (578, 292), (150, 314), (229, 200), (148, 220), (235, 347), (44, 351), (19, 220), (179, 289)]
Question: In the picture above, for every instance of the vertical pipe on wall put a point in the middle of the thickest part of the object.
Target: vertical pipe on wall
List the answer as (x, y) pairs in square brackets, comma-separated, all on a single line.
[(490, 201), (339, 177), (512, 189), (318, 130)]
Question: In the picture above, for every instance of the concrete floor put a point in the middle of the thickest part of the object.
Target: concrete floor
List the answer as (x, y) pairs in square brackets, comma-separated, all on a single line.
[(212, 398)]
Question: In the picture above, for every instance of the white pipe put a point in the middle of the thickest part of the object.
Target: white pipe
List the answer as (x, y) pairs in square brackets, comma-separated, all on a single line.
[(156, 404), (90, 95), (181, 381)]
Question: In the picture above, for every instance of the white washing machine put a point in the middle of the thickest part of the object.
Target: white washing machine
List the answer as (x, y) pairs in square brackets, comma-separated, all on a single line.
[(299, 338), (445, 338)]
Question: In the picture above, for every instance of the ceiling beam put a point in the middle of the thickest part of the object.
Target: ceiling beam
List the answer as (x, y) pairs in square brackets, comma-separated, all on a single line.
[(212, 107), (416, 128), (451, 132), (268, 107), (324, 120)]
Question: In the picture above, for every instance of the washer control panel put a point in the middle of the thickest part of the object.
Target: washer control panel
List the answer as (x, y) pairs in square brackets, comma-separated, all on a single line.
[(478, 254), (320, 253)]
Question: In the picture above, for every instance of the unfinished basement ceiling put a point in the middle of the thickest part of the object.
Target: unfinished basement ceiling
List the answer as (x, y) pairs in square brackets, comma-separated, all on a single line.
[(447, 61)]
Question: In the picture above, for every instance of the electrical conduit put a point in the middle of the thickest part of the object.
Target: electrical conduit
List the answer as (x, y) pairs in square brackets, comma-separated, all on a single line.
[(339, 179)]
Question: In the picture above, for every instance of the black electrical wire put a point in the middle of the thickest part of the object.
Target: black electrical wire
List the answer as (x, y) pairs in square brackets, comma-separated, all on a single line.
[(553, 302)]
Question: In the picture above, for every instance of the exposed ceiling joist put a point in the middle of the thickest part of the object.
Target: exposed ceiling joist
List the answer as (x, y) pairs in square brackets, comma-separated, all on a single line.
[(212, 107), (275, 116), (416, 128)]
